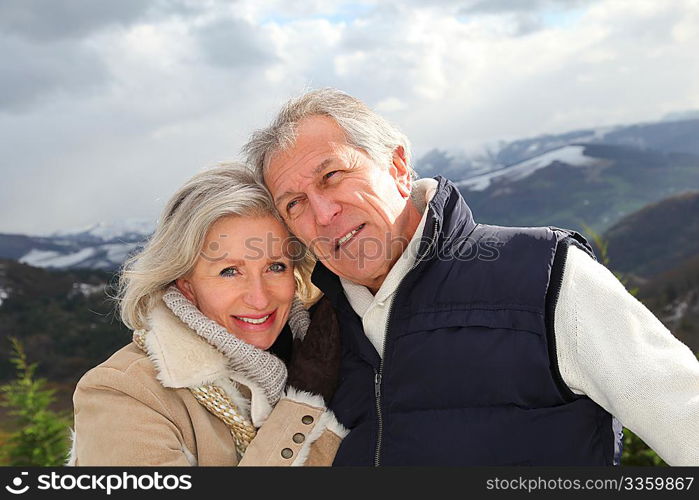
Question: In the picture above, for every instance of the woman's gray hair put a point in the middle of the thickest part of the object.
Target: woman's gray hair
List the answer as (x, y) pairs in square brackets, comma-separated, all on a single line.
[(173, 249), (363, 128)]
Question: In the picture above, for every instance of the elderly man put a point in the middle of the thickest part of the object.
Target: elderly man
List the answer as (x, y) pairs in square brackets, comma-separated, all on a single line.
[(464, 343)]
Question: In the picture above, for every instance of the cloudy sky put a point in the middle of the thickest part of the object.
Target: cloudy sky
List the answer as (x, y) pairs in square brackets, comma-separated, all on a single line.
[(106, 107)]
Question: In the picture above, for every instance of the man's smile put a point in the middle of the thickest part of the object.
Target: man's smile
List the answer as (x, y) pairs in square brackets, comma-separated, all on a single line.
[(341, 241)]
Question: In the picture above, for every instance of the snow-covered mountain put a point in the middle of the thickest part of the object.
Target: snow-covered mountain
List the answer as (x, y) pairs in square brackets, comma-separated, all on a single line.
[(126, 230), (676, 133), (590, 177), (573, 155), (100, 246), (96, 256), (579, 186)]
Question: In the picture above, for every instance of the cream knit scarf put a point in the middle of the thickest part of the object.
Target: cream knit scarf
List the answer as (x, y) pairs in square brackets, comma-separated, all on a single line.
[(260, 366)]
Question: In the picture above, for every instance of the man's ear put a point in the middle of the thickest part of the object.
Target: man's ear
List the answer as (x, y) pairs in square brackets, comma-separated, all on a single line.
[(185, 286), (401, 173)]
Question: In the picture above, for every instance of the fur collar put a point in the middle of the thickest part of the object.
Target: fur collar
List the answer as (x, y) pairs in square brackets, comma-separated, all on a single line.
[(183, 359)]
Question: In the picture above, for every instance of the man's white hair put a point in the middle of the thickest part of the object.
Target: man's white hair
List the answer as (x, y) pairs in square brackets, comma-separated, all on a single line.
[(363, 128)]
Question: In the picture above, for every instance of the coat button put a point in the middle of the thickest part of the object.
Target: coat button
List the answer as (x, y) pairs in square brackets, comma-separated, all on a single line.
[(287, 453), (299, 438), (307, 419)]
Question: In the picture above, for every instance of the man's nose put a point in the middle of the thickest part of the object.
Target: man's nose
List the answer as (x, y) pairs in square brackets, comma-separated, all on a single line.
[(324, 208), (257, 295)]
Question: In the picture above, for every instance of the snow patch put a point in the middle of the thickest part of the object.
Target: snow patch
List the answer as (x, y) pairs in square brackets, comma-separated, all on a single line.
[(533, 147), (47, 258), (102, 256), (677, 310), (570, 155), (117, 253), (87, 289), (4, 294)]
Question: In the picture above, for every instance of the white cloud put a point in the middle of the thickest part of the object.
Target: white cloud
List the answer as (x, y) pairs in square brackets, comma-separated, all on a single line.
[(110, 112)]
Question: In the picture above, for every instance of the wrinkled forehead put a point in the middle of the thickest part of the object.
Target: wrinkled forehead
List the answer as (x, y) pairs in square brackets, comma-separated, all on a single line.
[(314, 140), (314, 130)]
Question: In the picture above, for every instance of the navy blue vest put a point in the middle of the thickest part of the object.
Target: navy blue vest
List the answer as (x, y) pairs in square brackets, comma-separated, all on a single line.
[(469, 374)]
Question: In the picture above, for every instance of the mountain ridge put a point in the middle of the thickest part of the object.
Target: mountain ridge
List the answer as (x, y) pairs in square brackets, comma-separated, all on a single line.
[(657, 237)]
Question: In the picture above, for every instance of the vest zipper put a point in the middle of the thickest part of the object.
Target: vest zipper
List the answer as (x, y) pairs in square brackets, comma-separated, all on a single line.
[(378, 375), (555, 285), (377, 393)]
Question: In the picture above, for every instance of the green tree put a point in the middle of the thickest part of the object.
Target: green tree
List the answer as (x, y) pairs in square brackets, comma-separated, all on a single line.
[(41, 438), (635, 451)]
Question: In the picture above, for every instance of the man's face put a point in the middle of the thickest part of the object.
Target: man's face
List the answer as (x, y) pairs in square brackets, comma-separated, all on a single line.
[(351, 212)]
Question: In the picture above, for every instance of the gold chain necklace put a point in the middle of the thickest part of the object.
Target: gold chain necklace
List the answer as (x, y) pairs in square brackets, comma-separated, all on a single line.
[(217, 402)]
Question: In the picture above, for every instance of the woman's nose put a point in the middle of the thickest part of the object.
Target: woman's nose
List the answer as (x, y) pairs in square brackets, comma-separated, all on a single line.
[(257, 295)]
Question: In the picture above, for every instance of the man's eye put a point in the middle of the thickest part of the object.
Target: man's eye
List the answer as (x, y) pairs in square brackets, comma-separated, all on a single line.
[(229, 271), (291, 204), (278, 267)]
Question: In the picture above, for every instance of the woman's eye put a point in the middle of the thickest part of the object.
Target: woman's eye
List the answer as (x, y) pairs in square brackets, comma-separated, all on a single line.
[(229, 271), (278, 267), (330, 174)]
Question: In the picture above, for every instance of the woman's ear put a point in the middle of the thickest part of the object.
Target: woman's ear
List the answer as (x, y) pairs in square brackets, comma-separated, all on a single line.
[(185, 286)]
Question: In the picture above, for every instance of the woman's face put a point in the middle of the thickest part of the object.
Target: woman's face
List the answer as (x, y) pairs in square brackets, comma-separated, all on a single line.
[(242, 279)]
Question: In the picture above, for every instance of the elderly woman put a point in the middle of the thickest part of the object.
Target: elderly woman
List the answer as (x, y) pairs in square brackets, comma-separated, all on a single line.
[(214, 299)]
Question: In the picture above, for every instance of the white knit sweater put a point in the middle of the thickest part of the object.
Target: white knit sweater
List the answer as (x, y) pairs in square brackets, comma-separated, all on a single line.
[(610, 347)]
